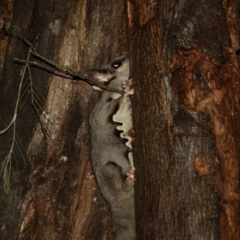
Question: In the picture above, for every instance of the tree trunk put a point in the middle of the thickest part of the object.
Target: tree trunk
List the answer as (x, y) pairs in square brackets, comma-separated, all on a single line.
[(186, 118), (54, 195), (185, 68)]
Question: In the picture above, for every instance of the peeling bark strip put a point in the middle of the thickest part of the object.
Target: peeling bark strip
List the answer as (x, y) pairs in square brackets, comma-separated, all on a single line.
[(186, 117), (212, 88)]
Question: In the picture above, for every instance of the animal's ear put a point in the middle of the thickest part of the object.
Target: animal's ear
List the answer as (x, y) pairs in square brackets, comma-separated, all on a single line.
[(98, 75)]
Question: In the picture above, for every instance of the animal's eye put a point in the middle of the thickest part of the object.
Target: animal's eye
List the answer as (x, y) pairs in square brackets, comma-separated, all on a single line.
[(116, 64)]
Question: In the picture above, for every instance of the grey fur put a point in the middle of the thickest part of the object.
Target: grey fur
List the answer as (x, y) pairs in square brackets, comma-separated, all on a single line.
[(109, 153)]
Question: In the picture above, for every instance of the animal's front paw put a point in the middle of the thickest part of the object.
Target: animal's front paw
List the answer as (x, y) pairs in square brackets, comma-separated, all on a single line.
[(130, 174), (128, 86)]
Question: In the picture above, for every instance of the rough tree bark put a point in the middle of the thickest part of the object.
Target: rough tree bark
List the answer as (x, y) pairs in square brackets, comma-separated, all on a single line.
[(186, 117), (54, 195), (185, 112)]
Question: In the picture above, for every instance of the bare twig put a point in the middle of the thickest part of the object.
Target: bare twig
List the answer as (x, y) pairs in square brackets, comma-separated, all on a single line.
[(10, 124), (13, 31), (44, 67)]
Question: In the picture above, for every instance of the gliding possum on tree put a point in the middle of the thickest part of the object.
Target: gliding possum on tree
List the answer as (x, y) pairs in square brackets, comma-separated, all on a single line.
[(111, 155)]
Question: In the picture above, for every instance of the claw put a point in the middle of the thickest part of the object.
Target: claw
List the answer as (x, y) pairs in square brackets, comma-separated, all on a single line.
[(130, 174), (128, 86)]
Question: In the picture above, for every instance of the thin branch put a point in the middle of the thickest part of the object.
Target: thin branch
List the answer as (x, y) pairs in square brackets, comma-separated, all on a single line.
[(13, 31), (44, 67), (7, 163), (10, 124)]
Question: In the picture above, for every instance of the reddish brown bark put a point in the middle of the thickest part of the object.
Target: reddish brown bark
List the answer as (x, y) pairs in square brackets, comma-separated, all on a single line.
[(186, 117)]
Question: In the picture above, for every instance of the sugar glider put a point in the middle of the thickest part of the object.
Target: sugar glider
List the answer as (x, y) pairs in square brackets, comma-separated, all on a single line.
[(110, 121)]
